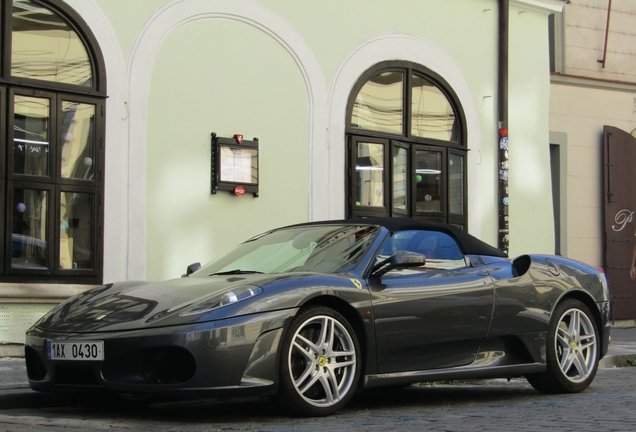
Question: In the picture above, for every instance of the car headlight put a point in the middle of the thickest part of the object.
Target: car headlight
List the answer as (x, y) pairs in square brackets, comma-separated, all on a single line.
[(223, 299)]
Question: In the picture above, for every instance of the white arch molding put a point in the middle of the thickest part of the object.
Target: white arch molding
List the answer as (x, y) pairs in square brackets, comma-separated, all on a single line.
[(116, 146), (405, 48), (167, 19)]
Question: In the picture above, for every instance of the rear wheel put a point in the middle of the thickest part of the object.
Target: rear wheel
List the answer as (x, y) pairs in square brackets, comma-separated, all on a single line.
[(572, 351), (320, 363)]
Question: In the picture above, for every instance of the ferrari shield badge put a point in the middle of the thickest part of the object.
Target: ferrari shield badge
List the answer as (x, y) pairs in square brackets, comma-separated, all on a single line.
[(357, 283)]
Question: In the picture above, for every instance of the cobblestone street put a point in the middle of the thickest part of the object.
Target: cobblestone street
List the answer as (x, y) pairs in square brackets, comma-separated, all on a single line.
[(495, 405)]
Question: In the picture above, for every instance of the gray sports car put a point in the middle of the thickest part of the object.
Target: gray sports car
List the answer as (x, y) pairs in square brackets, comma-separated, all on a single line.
[(309, 313)]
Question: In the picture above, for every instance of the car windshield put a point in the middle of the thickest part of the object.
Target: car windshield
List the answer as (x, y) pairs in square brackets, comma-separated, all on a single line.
[(319, 248)]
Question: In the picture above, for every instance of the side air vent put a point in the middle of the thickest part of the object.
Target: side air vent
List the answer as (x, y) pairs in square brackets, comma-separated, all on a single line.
[(520, 265), (35, 368)]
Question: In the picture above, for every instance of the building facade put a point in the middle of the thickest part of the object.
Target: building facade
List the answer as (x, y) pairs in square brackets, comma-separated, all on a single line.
[(360, 108), (593, 86)]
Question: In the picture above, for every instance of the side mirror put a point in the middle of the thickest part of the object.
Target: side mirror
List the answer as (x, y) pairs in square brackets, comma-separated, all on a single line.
[(191, 269), (400, 259)]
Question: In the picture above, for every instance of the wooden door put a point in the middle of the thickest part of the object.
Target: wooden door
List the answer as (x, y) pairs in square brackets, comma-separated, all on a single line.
[(619, 172)]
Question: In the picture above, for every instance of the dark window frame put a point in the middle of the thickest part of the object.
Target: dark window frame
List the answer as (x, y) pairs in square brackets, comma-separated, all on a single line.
[(394, 212), (459, 147), (50, 228), (52, 160), (54, 183), (368, 211), (439, 216), (77, 23)]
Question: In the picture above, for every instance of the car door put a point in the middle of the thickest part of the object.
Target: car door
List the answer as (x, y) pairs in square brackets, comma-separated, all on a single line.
[(433, 316)]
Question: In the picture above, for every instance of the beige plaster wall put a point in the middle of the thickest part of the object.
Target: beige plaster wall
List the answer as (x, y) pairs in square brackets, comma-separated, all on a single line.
[(581, 113)]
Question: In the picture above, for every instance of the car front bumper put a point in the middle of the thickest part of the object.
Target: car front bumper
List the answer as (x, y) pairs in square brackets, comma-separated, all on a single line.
[(236, 356)]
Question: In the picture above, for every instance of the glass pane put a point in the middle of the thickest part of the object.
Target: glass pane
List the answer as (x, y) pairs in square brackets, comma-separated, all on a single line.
[(400, 172), (239, 165), (456, 184), (428, 180), (432, 115), (46, 48), (28, 235), (370, 175), (78, 128), (76, 228), (440, 249), (378, 106), (31, 136)]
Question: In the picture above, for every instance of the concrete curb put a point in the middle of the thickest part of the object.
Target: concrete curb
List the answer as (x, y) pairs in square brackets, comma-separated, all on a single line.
[(612, 361)]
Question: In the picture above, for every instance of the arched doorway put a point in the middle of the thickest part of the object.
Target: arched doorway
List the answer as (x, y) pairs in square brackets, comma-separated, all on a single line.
[(406, 146), (52, 93)]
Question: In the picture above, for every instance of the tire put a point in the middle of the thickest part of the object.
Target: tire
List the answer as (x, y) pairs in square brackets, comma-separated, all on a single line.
[(319, 363), (572, 353)]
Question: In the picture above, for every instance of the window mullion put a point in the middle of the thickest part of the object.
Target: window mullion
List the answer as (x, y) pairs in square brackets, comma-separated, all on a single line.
[(3, 231), (55, 232), (6, 13), (407, 103)]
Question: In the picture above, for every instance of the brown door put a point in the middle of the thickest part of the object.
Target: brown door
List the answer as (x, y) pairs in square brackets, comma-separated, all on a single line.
[(619, 173)]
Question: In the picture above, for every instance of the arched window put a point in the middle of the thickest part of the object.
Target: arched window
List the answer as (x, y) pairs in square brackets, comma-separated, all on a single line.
[(52, 92), (406, 154)]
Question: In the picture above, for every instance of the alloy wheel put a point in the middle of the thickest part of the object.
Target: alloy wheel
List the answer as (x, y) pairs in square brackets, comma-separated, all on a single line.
[(575, 345), (322, 361)]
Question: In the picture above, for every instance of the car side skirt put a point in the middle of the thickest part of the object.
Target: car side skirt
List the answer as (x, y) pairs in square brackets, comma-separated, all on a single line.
[(403, 378)]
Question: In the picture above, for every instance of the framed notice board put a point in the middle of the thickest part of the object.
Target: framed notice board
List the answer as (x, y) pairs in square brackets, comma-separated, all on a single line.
[(235, 165)]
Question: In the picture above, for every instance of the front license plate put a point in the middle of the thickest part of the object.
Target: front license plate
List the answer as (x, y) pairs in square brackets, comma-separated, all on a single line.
[(68, 350)]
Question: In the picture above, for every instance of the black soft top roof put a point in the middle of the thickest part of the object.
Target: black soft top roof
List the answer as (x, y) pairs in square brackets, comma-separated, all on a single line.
[(468, 244)]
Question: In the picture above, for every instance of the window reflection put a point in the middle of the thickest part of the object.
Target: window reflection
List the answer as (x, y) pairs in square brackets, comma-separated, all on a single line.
[(28, 235), (440, 249), (378, 106), (370, 175), (78, 140), (31, 136), (428, 174), (432, 115), (46, 48), (239, 165), (400, 177), (456, 184), (76, 228)]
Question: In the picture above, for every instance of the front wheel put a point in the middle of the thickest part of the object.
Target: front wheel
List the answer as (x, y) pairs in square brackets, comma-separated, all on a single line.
[(572, 351), (320, 363)]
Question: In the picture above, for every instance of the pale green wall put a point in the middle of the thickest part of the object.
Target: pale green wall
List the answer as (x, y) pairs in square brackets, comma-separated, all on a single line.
[(465, 29), (232, 79), (227, 77), (531, 214)]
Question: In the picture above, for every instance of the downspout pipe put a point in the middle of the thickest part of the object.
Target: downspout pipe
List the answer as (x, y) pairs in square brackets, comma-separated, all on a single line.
[(504, 21)]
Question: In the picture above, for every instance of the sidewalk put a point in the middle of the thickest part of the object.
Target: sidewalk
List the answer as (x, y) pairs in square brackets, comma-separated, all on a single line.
[(16, 393)]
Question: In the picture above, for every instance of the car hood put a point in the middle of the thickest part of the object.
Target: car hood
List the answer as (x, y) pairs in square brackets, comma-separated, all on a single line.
[(138, 305)]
